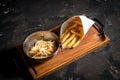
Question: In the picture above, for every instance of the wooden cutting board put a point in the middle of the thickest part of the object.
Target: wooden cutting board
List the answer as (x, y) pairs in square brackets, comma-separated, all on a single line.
[(90, 43)]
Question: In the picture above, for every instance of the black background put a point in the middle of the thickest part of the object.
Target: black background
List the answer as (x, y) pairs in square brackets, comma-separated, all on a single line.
[(19, 18)]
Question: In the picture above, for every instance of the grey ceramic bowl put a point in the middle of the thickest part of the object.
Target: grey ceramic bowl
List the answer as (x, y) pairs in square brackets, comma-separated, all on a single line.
[(33, 37)]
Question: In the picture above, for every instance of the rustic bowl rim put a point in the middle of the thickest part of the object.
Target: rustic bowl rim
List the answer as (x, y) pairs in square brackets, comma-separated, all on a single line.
[(37, 32)]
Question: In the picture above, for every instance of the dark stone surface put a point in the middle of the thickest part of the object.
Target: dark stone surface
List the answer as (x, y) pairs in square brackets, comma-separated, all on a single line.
[(19, 18)]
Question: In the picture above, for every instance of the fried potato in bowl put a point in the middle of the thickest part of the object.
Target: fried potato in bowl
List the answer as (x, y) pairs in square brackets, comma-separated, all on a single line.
[(41, 45)]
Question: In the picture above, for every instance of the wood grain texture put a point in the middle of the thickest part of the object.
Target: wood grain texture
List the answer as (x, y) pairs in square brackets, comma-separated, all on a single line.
[(90, 43)]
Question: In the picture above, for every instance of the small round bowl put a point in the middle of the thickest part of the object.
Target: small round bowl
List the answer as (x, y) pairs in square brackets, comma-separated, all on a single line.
[(30, 41)]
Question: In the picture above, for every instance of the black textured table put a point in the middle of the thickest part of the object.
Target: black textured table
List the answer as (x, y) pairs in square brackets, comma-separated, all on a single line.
[(19, 18)]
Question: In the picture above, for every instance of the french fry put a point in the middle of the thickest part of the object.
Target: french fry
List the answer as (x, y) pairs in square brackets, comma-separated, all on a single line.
[(77, 22), (65, 37), (80, 27), (62, 36), (76, 43), (73, 26), (69, 39), (70, 45), (74, 32), (67, 30)]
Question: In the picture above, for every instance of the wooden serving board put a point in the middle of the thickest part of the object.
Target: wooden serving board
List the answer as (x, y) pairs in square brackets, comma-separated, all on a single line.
[(90, 43)]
